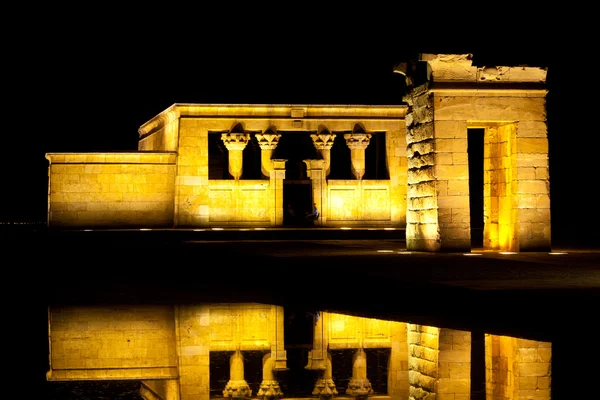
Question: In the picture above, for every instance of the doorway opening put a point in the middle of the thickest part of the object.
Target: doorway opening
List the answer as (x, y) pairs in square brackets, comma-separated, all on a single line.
[(297, 200), (475, 160)]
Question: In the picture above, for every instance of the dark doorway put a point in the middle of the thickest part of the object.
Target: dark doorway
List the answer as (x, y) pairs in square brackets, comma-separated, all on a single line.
[(477, 364), (297, 200), (475, 159)]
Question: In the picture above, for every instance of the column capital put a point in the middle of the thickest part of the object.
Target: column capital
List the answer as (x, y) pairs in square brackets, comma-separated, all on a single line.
[(323, 141), (235, 141), (357, 141), (268, 141)]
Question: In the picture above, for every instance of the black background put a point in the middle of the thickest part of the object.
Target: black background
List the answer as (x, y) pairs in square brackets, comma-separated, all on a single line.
[(84, 79)]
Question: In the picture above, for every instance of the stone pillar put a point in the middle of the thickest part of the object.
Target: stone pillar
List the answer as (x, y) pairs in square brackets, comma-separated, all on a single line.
[(323, 143), (317, 357), (359, 386), (316, 173), (357, 142), (325, 387), (237, 387), (277, 176), (267, 142), (269, 387), (235, 143)]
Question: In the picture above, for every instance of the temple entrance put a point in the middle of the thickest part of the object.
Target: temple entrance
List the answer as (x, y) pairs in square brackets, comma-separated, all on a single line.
[(475, 160), (296, 147), (297, 200)]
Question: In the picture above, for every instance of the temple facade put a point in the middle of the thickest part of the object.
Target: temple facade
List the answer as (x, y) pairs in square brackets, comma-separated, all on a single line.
[(399, 166)]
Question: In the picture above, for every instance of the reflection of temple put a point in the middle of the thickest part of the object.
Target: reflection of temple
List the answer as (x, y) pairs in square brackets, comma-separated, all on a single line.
[(408, 166), (254, 350)]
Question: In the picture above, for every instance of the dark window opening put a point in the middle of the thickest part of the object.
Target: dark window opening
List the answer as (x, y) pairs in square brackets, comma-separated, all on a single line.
[(251, 167), (340, 161), (218, 158), (475, 160), (378, 364), (375, 158)]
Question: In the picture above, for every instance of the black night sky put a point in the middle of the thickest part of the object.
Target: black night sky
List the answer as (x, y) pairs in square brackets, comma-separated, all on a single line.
[(84, 80)]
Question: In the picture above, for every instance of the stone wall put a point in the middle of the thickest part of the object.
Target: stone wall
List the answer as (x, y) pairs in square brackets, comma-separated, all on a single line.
[(517, 368), (439, 362), (112, 343), (367, 202), (111, 190), (242, 202)]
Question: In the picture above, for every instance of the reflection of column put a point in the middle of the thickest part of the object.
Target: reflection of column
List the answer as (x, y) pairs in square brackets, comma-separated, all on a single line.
[(267, 142), (318, 355), (269, 387), (323, 144), (237, 387), (357, 142), (325, 387), (235, 143), (359, 386)]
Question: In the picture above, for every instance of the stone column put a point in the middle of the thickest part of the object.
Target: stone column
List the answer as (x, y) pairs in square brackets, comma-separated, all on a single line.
[(267, 142), (269, 387), (323, 143), (357, 142), (359, 386), (325, 387), (235, 143), (237, 387), (277, 176)]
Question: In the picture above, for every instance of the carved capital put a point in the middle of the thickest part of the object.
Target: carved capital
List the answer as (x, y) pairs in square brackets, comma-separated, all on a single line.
[(235, 141), (323, 141), (268, 141), (357, 141)]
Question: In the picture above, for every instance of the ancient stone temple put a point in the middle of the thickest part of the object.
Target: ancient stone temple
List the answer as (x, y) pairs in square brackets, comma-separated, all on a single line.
[(410, 166)]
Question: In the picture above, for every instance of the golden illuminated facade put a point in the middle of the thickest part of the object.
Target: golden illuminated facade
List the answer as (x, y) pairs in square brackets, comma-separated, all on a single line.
[(406, 166), (242, 351)]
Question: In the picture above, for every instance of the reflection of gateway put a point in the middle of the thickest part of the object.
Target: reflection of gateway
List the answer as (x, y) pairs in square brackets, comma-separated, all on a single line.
[(401, 166)]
